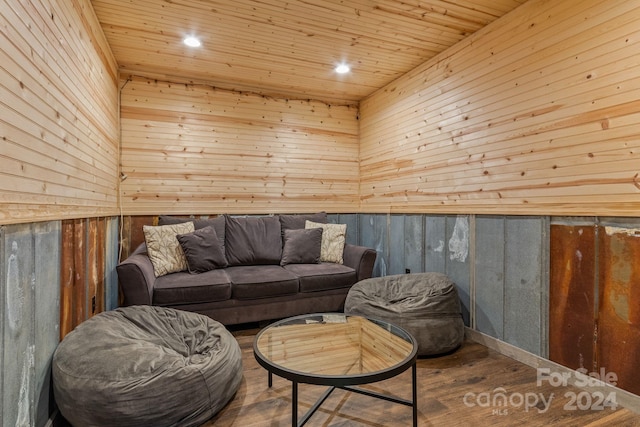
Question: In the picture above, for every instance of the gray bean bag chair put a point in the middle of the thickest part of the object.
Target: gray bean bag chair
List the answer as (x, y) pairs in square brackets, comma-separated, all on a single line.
[(424, 304), (145, 366)]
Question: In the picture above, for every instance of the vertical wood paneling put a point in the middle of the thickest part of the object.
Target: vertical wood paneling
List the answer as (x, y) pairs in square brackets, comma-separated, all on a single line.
[(535, 113), (58, 113), (193, 149)]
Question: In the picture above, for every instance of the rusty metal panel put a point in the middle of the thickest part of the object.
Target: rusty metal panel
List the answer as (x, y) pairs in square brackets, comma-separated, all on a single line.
[(132, 235), (572, 295), (618, 342), (489, 275), (96, 229), (73, 272)]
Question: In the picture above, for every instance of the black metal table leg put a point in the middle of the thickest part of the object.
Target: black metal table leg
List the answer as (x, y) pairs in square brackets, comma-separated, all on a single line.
[(294, 404), (415, 394)]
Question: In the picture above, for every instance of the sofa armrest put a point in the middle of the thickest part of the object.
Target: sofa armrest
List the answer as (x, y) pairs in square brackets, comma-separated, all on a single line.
[(361, 259), (136, 279)]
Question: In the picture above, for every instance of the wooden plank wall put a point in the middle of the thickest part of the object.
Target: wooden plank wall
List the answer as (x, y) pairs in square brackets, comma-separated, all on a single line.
[(195, 149), (58, 113), (537, 113)]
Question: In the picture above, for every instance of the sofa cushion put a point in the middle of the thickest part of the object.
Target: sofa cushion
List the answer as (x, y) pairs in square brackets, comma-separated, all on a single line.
[(185, 288), (253, 240), (261, 281), (323, 276), (333, 241), (295, 222), (301, 246), (164, 249), (218, 223), (203, 250)]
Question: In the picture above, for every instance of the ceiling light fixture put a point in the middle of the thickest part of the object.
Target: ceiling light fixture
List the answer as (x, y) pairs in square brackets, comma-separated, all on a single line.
[(342, 68), (191, 41)]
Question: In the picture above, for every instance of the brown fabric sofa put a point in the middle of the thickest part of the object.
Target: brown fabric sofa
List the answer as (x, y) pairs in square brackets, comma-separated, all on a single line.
[(265, 268)]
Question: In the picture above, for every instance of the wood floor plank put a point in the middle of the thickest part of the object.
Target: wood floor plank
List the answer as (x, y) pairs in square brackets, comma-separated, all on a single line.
[(458, 389)]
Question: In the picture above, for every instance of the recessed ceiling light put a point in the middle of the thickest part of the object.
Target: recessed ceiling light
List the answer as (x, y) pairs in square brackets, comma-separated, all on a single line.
[(342, 69), (191, 41)]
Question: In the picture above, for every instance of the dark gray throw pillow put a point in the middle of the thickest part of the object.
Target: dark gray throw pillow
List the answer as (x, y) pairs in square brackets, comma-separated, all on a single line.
[(302, 246), (253, 240), (203, 249)]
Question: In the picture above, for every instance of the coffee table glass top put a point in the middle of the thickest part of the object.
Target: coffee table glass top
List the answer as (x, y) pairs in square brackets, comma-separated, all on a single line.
[(334, 345)]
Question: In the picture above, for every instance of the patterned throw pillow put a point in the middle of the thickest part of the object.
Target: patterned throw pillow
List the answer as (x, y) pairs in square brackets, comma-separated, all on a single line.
[(333, 240), (163, 247)]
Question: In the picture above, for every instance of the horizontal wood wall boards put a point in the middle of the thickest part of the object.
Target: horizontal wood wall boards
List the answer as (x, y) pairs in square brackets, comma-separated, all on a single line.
[(58, 113), (195, 149), (537, 113)]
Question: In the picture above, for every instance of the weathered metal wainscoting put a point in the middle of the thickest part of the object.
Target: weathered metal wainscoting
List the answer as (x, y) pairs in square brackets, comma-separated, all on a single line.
[(50, 273), (594, 297), (500, 265), (565, 289)]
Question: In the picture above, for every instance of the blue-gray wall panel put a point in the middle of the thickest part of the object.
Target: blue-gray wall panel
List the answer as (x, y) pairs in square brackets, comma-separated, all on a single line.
[(353, 230), (47, 308), (111, 260), (489, 275), (373, 234), (18, 359), (524, 283), (457, 259), (414, 243), (396, 245), (435, 243)]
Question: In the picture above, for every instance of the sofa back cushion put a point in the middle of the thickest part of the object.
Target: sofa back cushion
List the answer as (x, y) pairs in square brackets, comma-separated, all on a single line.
[(296, 222), (253, 240)]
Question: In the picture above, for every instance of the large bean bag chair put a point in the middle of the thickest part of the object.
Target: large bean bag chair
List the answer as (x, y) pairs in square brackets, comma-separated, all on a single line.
[(145, 366), (424, 304)]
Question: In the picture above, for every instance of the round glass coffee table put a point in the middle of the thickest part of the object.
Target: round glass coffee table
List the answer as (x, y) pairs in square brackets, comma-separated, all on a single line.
[(339, 351)]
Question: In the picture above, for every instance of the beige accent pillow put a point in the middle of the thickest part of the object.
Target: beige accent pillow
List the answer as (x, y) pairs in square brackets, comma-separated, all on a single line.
[(163, 247), (333, 240)]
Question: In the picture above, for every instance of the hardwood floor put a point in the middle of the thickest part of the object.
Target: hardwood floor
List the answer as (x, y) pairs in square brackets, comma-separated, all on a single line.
[(473, 371)]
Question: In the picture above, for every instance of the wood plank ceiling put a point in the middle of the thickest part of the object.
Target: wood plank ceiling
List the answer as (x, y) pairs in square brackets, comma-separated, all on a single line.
[(288, 48)]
